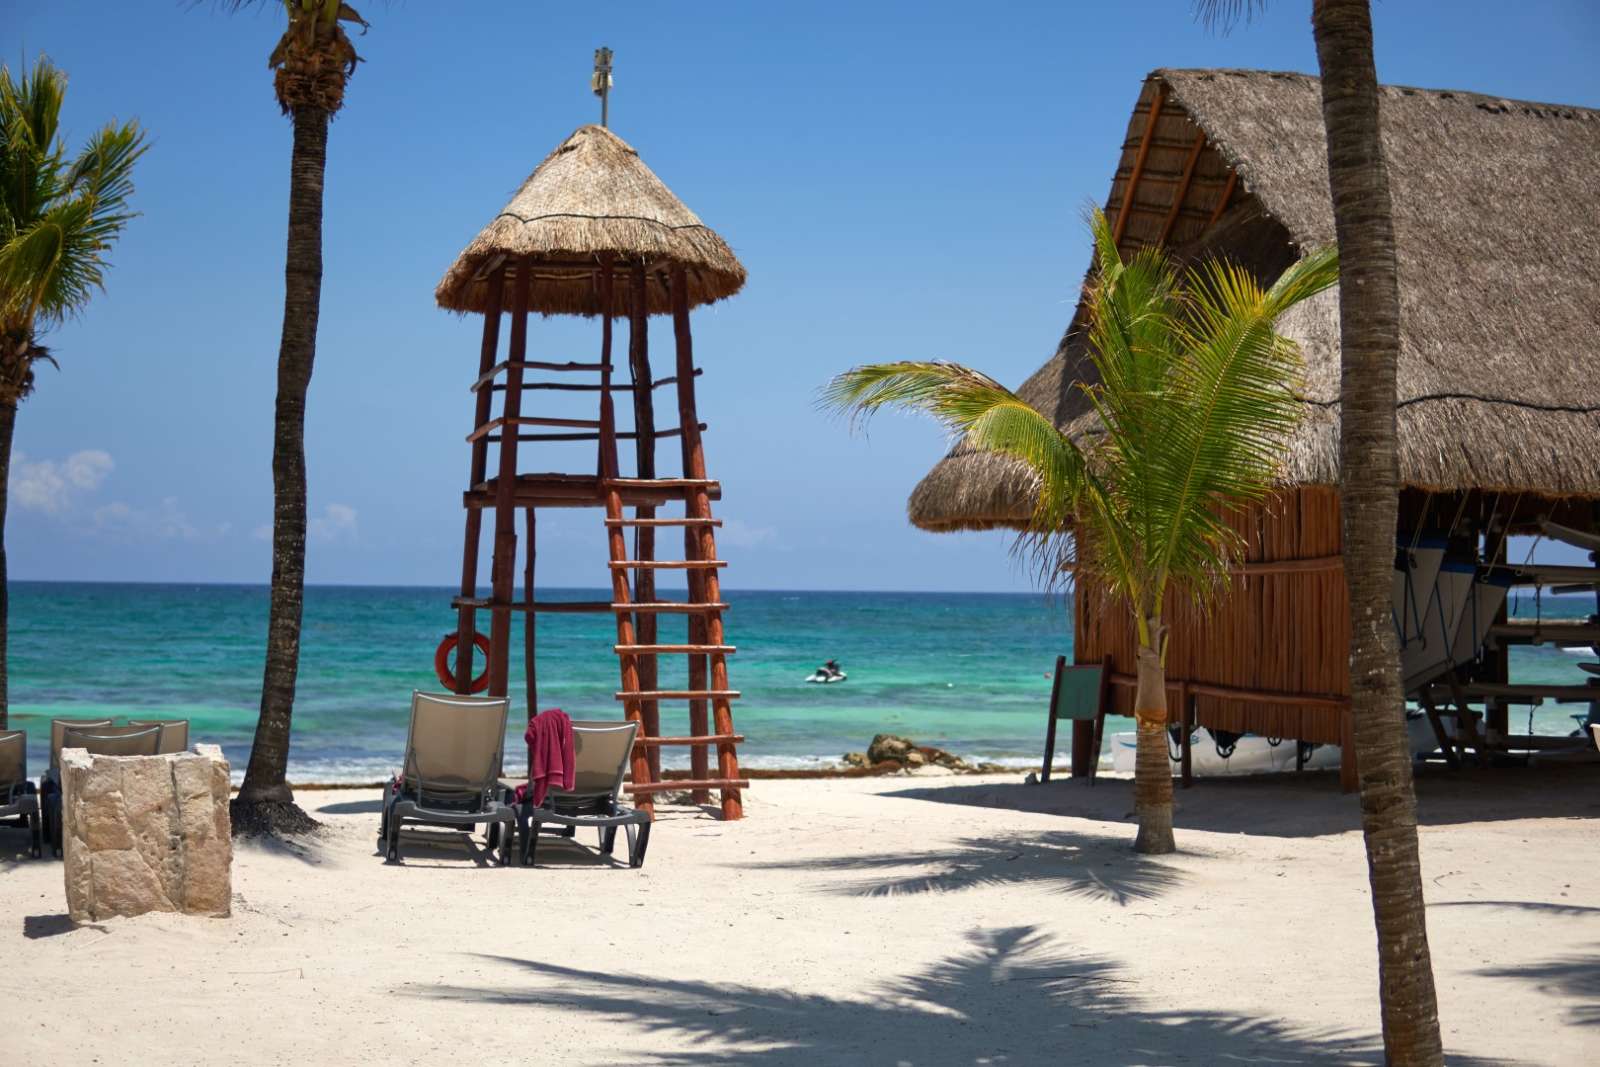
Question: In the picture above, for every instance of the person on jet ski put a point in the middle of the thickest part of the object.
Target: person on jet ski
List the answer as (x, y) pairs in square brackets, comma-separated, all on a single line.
[(830, 669)]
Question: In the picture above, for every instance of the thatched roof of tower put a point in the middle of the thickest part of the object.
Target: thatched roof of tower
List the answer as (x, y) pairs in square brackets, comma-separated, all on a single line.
[(1499, 256), (593, 195)]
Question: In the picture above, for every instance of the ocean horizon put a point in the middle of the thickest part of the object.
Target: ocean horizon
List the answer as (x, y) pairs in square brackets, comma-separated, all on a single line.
[(968, 672)]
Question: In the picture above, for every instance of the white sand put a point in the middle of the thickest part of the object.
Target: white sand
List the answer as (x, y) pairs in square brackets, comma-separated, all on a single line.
[(872, 921)]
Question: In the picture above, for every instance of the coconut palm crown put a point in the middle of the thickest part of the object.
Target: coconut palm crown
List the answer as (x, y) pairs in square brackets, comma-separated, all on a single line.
[(59, 217), (1194, 403)]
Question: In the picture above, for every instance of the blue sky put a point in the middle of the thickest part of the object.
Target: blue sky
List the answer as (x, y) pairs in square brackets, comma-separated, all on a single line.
[(900, 179)]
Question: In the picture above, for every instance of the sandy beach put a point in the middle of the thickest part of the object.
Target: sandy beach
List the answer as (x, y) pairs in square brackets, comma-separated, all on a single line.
[(895, 920)]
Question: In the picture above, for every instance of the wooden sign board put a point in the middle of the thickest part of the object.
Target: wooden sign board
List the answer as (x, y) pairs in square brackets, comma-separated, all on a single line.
[(1078, 695)]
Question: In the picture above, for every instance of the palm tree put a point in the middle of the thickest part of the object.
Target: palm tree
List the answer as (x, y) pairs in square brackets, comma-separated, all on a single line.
[(1196, 405), (313, 62), (1369, 504), (59, 218)]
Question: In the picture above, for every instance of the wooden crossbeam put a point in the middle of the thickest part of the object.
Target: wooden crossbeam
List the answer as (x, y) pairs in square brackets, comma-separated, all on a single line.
[(521, 364), (674, 785), (630, 650), (1183, 187), (664, 522), (1227, 194), (543, 607), (657, 606), (712, 739), (1126, 209), (668, 564)]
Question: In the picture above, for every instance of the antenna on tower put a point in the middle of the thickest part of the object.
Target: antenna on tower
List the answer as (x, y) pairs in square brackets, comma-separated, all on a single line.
[(600, 81)]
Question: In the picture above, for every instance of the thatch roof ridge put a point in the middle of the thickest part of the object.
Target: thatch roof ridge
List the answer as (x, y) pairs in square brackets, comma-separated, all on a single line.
[(593, 195), (1500, 277)]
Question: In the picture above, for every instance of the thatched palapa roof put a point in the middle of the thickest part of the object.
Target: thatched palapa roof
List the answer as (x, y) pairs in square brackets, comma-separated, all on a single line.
[(593, 195), (1498, 237)]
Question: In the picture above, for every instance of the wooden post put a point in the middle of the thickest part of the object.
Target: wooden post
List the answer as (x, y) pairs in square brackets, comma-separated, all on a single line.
[(699, 506), (644, 537), (530, 637), (503, 568), (1082, 742), (467, 620), (1349, 782), (1186, 702)]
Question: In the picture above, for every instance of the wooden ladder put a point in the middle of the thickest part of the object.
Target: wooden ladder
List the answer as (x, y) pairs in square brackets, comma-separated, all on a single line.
[(706, 649)]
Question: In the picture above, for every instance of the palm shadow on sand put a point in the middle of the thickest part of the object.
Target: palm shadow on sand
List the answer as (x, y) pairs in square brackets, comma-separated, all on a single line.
[(1308, 804), (1008, 998), (1575, 976), (1092, 866)]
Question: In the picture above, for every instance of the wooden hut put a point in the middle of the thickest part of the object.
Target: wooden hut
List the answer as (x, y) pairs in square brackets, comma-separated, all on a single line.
[(594, 232), (1499, 376)]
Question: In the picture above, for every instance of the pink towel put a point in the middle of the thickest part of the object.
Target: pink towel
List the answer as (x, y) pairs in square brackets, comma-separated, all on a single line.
[(550, 753)]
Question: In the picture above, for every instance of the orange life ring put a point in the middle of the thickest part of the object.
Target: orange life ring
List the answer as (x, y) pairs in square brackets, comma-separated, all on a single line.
[(441, 663)]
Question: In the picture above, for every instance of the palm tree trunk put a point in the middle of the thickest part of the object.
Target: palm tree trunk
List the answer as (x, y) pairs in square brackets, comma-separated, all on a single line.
[(1369, 331), (8, 426), (266, 778), (1152, 771)]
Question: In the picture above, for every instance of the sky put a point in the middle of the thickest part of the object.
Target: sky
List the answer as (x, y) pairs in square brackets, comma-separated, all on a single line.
[(901, 180)]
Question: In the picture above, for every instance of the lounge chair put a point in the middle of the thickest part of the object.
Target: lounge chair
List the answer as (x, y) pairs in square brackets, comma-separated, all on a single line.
[(50, 784), (601, 751), (174, 734), (19, 799), (98, 741), (452, 771)]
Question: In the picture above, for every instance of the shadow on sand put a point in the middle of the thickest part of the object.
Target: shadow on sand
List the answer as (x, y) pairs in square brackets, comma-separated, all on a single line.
[(1008, 998), (1093, 866), (1297, 805), (1575, 976), (35, 927)]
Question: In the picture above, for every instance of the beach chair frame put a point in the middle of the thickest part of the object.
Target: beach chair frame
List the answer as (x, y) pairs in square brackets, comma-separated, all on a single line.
[(19, 799), (599, 808), (413, 800), (1069, 700), (50, 783)]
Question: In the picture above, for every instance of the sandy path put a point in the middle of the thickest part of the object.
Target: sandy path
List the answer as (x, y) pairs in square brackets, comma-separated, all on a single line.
[(870, 921)]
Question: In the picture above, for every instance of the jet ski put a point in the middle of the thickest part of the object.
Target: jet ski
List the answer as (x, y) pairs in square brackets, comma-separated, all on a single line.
[(823, 676)]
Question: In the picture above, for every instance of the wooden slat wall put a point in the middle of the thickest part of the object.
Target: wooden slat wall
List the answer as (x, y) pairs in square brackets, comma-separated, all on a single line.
[(1280, 632)]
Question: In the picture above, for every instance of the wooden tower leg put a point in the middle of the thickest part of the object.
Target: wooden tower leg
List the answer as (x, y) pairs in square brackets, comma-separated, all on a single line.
[(644, 425), (699, 506), (616, 537), (530, 636), (467, 619), (505, 513)]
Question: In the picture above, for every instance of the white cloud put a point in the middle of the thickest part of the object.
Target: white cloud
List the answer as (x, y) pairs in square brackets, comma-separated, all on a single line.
[(166, 522), (52, 487), (337, 522), (736, 533)]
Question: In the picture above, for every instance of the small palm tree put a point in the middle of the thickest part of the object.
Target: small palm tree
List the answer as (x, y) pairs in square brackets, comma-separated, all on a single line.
[(312, 64), (59, 218), (1196, 403)]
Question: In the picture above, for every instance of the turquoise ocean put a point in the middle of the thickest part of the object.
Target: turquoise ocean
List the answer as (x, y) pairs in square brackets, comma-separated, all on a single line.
[(966, 672)]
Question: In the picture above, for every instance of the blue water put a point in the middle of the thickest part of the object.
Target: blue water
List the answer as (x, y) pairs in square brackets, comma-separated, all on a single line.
[(967, 672)]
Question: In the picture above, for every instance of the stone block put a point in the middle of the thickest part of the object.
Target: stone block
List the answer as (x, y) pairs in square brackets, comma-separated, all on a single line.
[(146, 833)]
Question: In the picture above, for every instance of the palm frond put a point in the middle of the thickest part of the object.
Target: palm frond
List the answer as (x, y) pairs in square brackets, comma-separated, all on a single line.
[(990, 418), (58, 219)]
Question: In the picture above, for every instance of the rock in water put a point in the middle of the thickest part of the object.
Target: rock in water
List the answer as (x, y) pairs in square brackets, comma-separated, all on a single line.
[(890, 752)]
